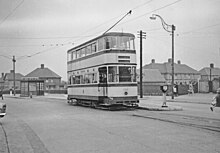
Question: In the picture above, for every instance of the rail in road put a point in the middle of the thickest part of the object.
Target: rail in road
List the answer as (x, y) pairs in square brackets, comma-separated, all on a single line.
[(205, 123)]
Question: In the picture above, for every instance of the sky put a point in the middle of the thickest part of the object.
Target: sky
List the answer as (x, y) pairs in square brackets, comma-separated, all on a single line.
[(40, 32)]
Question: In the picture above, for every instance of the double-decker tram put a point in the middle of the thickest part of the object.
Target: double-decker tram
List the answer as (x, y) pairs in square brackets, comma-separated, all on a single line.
[(102, 72)]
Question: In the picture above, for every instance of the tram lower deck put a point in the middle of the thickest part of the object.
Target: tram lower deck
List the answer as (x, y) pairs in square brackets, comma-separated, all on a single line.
[(104, 95)]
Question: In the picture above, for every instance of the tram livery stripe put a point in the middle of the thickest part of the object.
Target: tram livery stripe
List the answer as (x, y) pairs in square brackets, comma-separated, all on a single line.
[(101, 85), (102, 52)]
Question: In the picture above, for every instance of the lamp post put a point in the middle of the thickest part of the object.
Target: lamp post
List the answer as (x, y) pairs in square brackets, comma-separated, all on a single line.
[(166, 27), (13, 60)]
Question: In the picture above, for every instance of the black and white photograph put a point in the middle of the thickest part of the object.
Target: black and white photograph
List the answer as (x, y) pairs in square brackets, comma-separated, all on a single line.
[(119, 76)]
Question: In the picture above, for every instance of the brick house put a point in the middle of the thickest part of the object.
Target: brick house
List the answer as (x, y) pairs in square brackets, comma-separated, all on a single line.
[(9, 80), (208, 73), (183, 74), (210, 79), (52, 81)]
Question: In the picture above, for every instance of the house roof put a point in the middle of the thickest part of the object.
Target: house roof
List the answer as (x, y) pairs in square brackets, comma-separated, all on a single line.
[(10, 76), (167, 68), (151, 75), (1, 80), (206, 71), (43, 72)]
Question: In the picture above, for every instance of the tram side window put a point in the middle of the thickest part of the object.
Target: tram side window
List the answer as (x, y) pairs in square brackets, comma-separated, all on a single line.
[(94, 48), (124, 74), (83, 52), (73, 55), (88, 50), (113, 42), (107, 43), (94, 78), (112, 74), (78, 54), (101, 44), (90, 78)]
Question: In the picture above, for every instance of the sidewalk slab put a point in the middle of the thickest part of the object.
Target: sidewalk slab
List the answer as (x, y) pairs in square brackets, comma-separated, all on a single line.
[(161, 108), (154, 103)]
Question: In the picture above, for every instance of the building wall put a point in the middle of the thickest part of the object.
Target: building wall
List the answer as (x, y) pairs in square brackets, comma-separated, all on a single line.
[(181, 78), (10, 85), (52, 83)]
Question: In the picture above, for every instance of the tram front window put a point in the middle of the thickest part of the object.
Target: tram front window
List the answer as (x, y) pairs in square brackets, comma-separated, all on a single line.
[(124, 74)]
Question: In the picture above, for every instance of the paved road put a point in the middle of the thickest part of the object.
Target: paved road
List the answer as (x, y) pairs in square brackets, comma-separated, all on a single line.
[(43, 125)]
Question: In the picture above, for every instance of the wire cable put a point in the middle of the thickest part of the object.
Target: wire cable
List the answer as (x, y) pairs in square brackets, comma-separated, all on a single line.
[(11, 13), (170, 4)]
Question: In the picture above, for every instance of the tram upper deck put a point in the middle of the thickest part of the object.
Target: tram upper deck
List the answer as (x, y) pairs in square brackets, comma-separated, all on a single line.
[(110, 48)]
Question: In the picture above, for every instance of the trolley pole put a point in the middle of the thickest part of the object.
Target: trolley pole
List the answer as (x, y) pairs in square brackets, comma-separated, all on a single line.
[(142, 35), (13, 60)]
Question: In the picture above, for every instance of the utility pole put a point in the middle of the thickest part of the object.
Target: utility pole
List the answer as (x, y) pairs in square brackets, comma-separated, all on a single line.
[(142, 35), (13, 60), (173, 29)]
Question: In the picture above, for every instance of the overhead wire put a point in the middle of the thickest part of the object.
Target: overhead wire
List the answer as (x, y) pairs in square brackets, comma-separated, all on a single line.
[(170, 4), (6, 17), (141, 5), (198, 29)]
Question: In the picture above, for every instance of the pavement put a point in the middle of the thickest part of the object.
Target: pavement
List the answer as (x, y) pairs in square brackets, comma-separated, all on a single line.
[(151, 103)]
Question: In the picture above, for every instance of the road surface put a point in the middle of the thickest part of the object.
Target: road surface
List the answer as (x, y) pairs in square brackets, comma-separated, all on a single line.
[(42, 125)]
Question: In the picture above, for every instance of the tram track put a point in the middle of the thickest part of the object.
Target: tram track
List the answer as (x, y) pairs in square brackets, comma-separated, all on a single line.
[(185, 120), (5, 139)]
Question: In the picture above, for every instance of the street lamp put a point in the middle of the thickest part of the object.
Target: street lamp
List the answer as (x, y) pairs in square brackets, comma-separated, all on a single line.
[(166, 27)]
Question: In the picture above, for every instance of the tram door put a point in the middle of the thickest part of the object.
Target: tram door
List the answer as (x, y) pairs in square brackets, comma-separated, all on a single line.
[(103, 86)]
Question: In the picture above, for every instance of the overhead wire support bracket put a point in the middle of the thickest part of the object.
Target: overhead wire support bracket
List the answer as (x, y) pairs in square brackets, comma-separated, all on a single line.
[(117, 22)]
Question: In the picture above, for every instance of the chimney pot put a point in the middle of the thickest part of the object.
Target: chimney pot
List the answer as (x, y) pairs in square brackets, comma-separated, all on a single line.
[(179, 62), (42, 66), (153, 61), (169, 60)]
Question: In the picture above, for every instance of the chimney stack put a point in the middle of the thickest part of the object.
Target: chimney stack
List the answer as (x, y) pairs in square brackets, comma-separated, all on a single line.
[(179, 62), (169, 60), (211, 65), (42, 66), (3, 75), (11, 71), (153, 61)]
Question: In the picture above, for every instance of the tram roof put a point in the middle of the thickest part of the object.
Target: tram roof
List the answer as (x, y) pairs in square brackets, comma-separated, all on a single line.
[(104, 35)]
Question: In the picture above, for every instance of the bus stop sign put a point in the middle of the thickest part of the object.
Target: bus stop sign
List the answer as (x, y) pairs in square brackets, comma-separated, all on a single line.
[(164, 88)]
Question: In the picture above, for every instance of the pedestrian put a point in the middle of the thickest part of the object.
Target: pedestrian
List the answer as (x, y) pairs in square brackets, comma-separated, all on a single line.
[(191, 90), (1, 95), (216, 101), (175, 90)]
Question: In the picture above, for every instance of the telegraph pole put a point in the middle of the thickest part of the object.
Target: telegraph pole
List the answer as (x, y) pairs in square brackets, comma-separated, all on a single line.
[(142, 35), (13, 60), (172, 65)]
